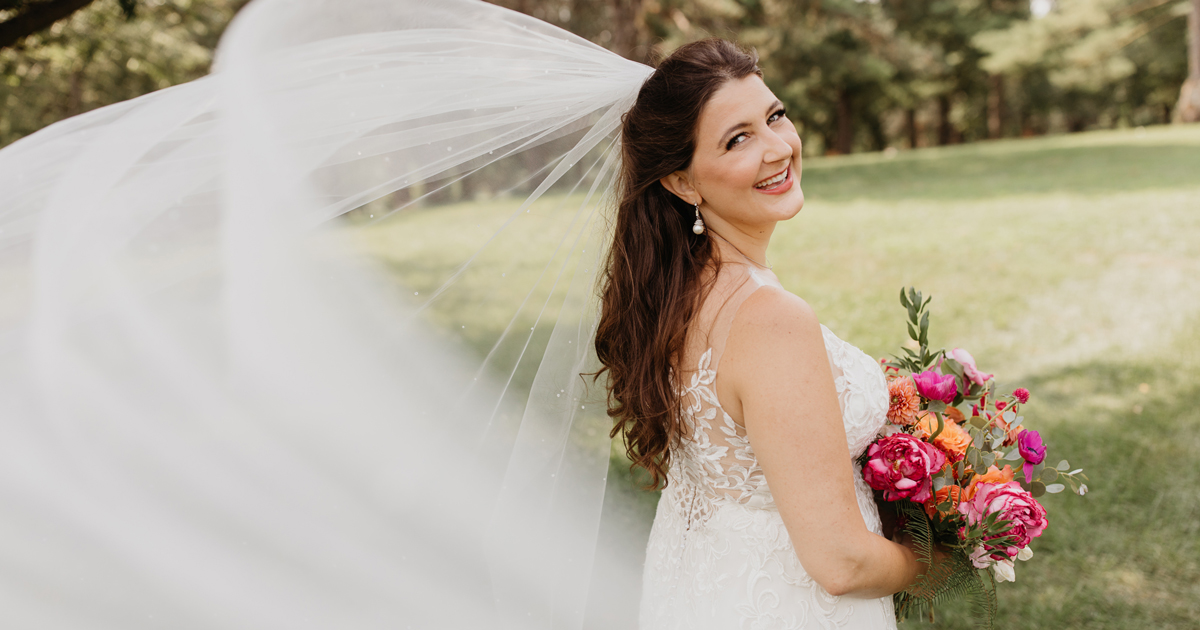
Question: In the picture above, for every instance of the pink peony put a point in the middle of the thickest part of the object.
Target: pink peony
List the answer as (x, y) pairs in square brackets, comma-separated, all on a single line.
[(1013, 504), (902, 467), (1021, 394), (968, 363), (934, 386)]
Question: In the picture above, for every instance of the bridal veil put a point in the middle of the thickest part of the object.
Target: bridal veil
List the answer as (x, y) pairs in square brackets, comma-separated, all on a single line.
[(215, 412)]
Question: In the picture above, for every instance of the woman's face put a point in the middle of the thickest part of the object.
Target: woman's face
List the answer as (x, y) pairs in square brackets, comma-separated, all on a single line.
[(746, 168)]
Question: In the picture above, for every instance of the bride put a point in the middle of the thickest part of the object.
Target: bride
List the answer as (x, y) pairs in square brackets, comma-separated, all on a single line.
[(722, 382), (214, 414)]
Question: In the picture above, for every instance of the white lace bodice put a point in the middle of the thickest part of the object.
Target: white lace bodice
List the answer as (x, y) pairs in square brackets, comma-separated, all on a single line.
[(719, 555)]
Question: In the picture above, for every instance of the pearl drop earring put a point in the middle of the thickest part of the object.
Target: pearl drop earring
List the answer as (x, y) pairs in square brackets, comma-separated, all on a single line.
[(698, 227)]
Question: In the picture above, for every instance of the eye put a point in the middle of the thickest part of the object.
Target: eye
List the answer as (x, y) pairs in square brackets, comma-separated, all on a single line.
[(735, 140), (779, 114)]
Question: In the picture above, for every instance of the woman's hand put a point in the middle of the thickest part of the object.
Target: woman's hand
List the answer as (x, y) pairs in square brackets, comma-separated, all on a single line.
[(931, 580)]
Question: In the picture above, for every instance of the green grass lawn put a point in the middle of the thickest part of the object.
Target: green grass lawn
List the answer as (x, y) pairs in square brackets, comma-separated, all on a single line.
[(1068, 265)]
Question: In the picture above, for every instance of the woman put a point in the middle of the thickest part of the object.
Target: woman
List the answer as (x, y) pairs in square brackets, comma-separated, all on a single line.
[(722, 382)]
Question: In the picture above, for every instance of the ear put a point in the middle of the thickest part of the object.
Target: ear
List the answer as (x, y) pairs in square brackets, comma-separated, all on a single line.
[(680, 183)]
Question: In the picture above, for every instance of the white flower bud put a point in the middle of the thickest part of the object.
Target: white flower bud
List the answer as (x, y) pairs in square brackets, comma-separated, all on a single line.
[(1004, 571)]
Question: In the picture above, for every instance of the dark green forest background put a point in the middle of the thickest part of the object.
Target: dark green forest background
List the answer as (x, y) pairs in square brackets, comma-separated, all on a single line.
[(856, 75)]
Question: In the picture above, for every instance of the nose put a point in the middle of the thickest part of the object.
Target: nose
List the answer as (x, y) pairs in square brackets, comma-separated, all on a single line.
[(777, 149)]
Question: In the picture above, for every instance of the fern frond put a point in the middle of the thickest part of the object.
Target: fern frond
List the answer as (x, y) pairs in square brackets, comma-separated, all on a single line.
[(956, 578)]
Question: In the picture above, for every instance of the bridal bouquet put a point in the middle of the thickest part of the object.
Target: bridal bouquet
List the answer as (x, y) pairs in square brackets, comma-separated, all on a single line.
[(960, 470)]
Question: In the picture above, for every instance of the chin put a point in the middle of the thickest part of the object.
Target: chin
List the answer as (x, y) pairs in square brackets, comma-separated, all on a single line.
[(790, 206)]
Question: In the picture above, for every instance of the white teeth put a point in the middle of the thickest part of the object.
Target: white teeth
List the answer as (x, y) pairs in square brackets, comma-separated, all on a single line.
[(774, 180)]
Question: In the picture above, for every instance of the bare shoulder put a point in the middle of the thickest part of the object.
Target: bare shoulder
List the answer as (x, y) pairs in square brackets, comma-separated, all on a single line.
[(775, 351), (778, 316)]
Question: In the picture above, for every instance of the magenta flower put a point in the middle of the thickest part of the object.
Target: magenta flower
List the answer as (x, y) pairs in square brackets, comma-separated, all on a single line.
[(902, 467), (968, 363), (1014, 505), (934, 386), (1029, 444), (1022, 395)]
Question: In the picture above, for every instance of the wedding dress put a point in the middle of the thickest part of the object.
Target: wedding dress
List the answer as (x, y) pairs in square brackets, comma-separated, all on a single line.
[(719, 556)]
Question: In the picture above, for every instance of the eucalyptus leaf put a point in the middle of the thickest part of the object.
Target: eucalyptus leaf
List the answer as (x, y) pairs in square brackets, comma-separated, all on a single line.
[(939, 483), (978, 421), (1063, 465), (1013, 455), (1037, 489), (1076, 471), (973, 457), (1055, 488), (937, 406), (953, 366), (987, 459), (1048, 475)]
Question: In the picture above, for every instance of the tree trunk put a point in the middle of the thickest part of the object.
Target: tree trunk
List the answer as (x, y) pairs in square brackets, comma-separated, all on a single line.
[(944, 130), (845, 125), (1188, 109), (995, 106), (910, 123), (627, 18)]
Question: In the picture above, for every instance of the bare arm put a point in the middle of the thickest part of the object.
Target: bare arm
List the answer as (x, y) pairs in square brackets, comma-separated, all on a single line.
[(778, 373)]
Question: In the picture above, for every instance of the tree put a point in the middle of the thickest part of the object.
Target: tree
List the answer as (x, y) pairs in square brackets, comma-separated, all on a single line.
[(26, 17), (99, 55), (1093, 62), (1189, 95)]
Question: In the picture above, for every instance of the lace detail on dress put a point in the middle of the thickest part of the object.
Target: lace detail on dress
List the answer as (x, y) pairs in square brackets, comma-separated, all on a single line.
[(719, 555)]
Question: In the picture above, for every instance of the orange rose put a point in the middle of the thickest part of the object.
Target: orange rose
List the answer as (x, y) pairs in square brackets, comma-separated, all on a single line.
[(949, 492), (953, 440), (993, 475)]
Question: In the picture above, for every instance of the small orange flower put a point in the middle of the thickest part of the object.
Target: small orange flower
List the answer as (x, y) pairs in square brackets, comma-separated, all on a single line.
[(953, 440), (993, 475), (954, 414), (905, 401), (1011, 433), (949, 492)]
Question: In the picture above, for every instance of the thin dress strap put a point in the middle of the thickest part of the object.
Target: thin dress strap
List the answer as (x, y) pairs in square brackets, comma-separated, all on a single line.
[(735, 284)]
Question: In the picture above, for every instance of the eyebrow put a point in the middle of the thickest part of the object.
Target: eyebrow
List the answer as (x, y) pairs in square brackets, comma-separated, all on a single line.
[(770, 108)]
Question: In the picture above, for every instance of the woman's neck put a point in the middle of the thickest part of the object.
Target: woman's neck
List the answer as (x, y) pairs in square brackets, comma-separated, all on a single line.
[(734, 244)]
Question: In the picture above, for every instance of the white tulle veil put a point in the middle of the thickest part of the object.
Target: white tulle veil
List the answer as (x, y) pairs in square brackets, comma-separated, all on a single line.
[(216, 412)]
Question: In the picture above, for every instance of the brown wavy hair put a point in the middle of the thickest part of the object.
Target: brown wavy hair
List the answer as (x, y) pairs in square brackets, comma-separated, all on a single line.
[(652, 282)]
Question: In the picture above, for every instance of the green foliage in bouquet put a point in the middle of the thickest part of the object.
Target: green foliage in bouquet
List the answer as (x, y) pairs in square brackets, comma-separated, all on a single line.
[(951, 579)]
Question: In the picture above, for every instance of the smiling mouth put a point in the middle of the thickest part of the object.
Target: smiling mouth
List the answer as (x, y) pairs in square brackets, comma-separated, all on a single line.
[(774, 180)]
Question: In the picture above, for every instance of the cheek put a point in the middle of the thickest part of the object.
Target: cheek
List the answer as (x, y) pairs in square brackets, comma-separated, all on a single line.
[(735, 175)]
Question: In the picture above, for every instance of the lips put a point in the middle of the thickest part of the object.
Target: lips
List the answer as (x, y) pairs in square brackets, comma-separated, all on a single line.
[(776, 181)]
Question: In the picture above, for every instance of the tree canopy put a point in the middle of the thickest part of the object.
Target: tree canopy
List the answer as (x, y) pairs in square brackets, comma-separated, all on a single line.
[(855, 74)]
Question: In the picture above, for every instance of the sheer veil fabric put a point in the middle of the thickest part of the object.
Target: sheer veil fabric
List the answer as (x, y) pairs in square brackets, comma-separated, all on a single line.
[(216, 413)]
